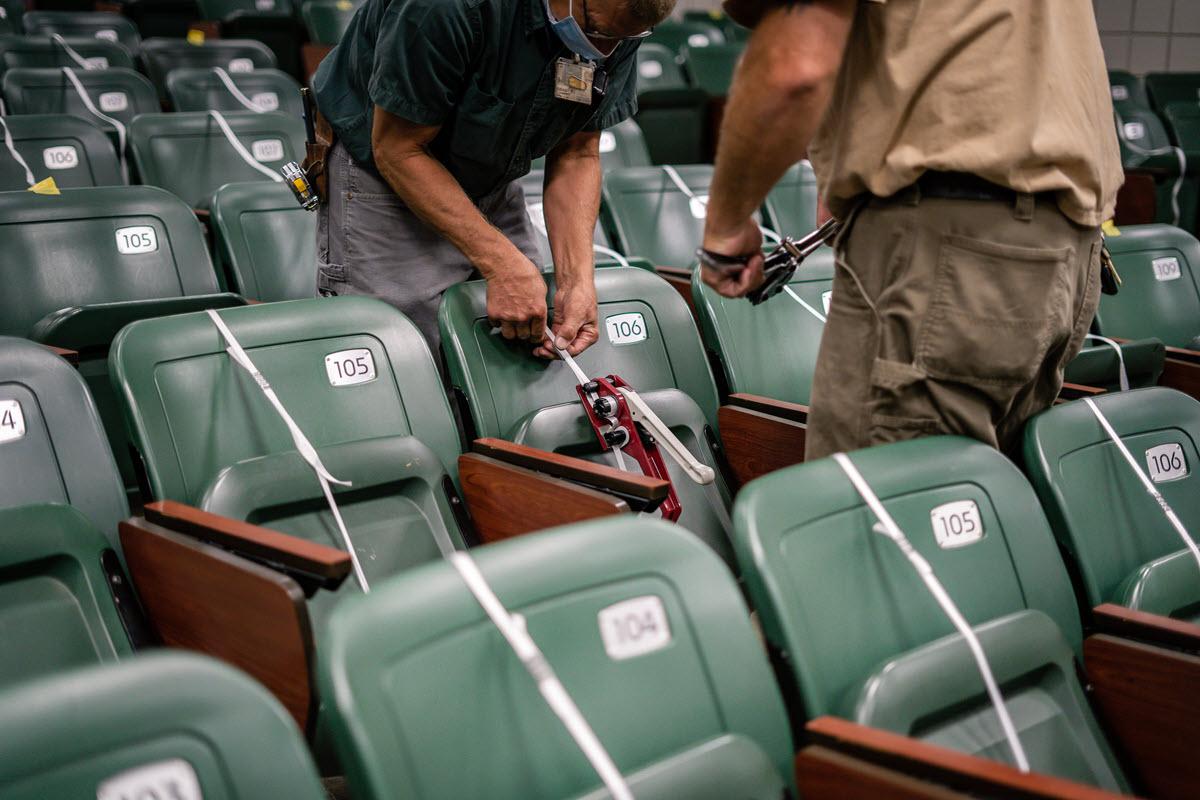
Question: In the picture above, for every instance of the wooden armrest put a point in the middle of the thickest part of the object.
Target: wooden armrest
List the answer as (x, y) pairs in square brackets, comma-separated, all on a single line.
[(940, 765), (642, 492), (1148, 700), (1182, 354), (1145, 627), (506, 500), (1074, 391), (199, 597), (824, 774), (310, 564), (760, 435), (70, 356), (769, 405), (1181, 371), (203, 214)]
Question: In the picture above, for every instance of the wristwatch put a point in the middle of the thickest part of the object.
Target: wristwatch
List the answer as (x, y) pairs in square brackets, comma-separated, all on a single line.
[(719, 262)]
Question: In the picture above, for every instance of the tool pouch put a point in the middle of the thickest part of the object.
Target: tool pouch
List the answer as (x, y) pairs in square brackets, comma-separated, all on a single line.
[(1110, 279), (317, 154)]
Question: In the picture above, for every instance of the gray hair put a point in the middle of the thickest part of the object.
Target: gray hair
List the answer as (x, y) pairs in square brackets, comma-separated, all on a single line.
[(648, 13)]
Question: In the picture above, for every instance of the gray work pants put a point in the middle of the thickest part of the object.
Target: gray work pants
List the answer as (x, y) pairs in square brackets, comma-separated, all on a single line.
[(370, 243)]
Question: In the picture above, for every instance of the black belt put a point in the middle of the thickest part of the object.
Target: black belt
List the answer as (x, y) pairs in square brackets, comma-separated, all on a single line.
[(958, 186)]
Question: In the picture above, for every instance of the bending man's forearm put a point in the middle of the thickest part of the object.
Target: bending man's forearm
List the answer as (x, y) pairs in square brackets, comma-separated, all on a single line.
[(570, 203)]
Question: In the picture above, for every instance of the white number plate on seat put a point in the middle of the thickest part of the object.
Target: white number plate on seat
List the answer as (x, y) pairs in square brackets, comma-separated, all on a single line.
[(650, 70), (626, 328), (96, 62), (956, 524), (1134, 131), (107, 34), (114, 101), (267, 150), (12, 421), (164, 780), (826, 299), (62, 157), (268, 101), (1119, 92), (241, 65), (634, 627), (1166, 463), (350, 367), (608, 141), (136, 239), (1166, 269)]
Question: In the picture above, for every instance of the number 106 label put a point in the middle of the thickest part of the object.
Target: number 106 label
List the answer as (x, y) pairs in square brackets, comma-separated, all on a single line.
[(626, 328), (634, 627), (1166, 463), (350, 367)]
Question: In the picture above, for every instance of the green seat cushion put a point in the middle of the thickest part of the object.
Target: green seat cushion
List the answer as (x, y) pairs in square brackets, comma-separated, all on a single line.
[(117, 92), (266, 241), (199, 89), (83, 24), (1160, 293), (160, 55), (1099, 365), (791, 205), (74, 151)]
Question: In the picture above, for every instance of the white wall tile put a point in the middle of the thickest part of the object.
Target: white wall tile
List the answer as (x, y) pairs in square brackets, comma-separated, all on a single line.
[(1148, 53), (1114, 15), (1185, 54), (1152, 16), (1116, 50), (1187, 17)]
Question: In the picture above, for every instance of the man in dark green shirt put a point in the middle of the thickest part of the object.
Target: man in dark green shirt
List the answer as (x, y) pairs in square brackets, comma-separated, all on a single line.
[(437, 107)]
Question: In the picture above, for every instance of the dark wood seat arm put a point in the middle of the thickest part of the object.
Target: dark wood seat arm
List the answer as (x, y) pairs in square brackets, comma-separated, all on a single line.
[(796, 412), (641, 492), (1145, 627), (507, 500), (1181, 371), (310, 564), (70, 356), (1074, 391), (939, 765), (760, 435)]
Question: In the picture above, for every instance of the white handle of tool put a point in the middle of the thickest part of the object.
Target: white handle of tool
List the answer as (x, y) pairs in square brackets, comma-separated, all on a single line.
[(12, 151), (303, 446), (236, 92), (1169, 512), (888, 527), (512, 627), (97, 113), (240, 149), (641, 412), (71, 52), (1122, 375), (582, 378)]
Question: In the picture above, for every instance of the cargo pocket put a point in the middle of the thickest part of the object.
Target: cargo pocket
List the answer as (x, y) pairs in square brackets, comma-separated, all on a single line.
[(994, 311)]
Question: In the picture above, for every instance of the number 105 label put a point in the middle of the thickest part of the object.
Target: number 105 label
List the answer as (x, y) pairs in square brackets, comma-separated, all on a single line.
[(1166, 463), (634, 627), (626, 328), (956, 524), (350, 367)]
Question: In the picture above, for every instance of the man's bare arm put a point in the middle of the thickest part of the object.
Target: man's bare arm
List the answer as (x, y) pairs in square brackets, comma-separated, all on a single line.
[(516, 290)]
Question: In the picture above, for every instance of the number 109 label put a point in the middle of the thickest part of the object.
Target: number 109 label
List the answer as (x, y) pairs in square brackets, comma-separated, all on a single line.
[(634, 627), (626, 328), (956, 524), (350, 367), (1166, 463)]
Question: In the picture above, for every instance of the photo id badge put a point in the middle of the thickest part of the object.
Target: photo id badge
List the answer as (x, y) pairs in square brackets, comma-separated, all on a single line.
[(573, 81)]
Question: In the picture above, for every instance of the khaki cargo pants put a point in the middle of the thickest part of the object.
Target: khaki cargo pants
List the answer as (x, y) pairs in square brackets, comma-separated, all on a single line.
[(950, 317)]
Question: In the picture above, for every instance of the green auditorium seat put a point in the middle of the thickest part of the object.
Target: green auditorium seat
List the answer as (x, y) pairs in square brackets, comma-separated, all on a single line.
[(693, 712), (265, 241), (223, 9), (623, 145), (11, 12), (711, 66), (1183, 123), (1125, 87), (658, 70), (116, 92), (651, 217), (166, 725), (671, 114), (676, 35), (43, 51), (532, 186), (1099, 366), (1165, 88), (274, 23), (187, 154), (161, 55), (73, 151), (105, 257), (327, 20), (83, 24), (861, 638), (533, 402), (199, 89), (1160, 294), (791, 205), (1146, 147), (161, 18), (733, 32), (1125, 550)]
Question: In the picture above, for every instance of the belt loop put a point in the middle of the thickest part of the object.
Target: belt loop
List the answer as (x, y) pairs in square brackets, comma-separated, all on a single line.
[(912, 195), (1024, 206)]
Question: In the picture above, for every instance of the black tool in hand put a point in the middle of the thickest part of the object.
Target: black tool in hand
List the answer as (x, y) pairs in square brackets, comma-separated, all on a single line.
[(781, 263)]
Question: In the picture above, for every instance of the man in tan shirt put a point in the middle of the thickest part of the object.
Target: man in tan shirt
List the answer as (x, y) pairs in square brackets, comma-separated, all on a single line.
[(967, 146)]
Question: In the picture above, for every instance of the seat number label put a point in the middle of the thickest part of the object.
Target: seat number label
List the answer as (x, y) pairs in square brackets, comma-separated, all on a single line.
[(537, 217), (61, 157), (1166, 269), (626, 328), (164, 780), (96, 62), (114, 101), (826, 297), (698, 205), (264, 5), (241, 65), (108, 34), (697, 40), (1134, 130), (267, 150), (267, 101), (1119, 92), (608, 142), (1166, 463), (12, 421), (137, 239), (350, 367), (650, 70), (956, 524), (634, 627)]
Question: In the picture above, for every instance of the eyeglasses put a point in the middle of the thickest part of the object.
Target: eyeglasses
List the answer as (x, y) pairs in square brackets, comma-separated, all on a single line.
[(608, 37)]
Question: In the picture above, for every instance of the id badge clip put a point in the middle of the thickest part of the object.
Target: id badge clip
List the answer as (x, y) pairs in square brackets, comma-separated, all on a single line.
[(574, 79)]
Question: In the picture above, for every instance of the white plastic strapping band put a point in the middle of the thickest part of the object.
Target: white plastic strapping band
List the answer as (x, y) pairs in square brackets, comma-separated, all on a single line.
[(236, 92), (12, 150), (888, 527), (610, 253), (804, 304), (1122, 375), (95, 112), (1169, 512), (582, 378), (71, 52), (240, 149)]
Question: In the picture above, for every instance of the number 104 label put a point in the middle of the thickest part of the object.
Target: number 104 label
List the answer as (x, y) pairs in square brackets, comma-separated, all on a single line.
[(634, 627), (350, 367), (1166, 462)]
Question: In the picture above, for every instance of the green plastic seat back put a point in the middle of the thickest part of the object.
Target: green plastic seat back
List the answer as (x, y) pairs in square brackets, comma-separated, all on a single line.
[(12, 12), (733, 31), (187, 154), (1183, 120), (623, 145), (532, 186), (327, 20), (55, 606), (224, 9), (209, 437), (676, 35), (769, 349), (83, 24), (199, 89), (73, 151), (266, 241), (711, 66), (791, 204), (118, 92), (865, 640), (161, 55), (1125, 87), (1143, 139), (52, 446), (697, 687), (167, 724), (647, 337), (658, 69), (1099, 365), (42, 51), (671, 114), (1160, 290), (1165, 88), (1101, 513)]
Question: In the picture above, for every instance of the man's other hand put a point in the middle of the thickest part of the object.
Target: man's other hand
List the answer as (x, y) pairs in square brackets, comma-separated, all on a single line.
[(516, 299), (576, 326), (745, 240)]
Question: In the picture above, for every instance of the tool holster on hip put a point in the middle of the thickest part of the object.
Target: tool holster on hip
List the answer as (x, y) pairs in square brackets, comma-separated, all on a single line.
[(316, 154)]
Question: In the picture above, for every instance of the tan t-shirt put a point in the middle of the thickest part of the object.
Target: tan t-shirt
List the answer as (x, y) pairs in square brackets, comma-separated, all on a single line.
[(1014, 91)]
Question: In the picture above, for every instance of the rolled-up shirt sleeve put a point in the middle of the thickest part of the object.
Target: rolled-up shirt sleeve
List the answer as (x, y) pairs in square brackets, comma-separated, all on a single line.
[(422, 59)]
